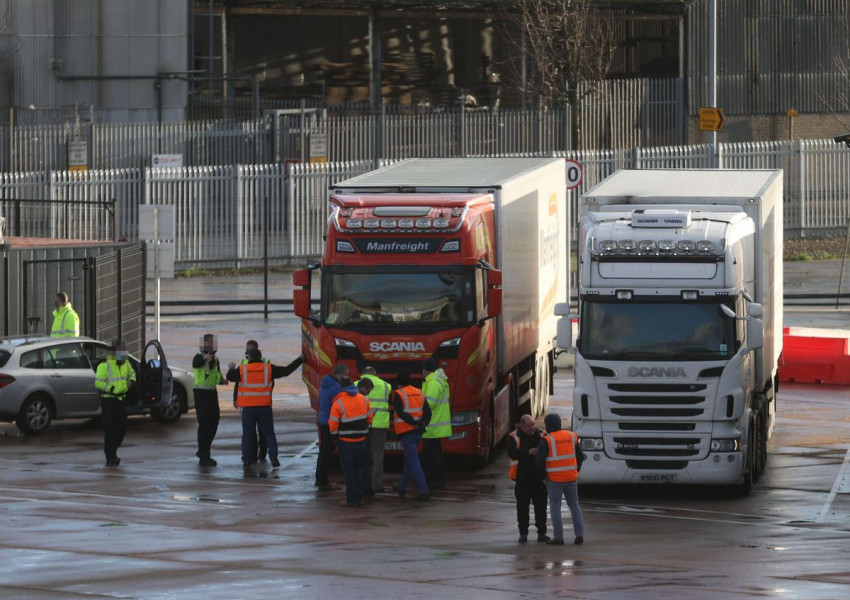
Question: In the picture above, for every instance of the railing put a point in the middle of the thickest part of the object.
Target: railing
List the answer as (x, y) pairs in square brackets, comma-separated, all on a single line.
[(225, 214), (88, 220), (621, 114)]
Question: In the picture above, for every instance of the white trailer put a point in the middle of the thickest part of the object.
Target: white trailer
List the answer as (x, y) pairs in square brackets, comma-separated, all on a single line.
[(680, 325)]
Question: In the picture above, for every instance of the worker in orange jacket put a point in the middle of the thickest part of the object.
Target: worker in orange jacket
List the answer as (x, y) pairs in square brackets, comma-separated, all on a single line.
[(412, 415), (254, 397), (559, 459), (349, 421)]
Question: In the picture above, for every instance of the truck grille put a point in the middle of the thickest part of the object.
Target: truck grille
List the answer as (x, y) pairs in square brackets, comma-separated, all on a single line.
[(661, 425)]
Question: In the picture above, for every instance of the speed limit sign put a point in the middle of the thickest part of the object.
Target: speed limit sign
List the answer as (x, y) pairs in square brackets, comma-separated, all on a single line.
[(573, 174)]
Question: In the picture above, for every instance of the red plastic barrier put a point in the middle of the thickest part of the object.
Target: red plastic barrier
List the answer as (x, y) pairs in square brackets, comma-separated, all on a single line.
[(815, 356)]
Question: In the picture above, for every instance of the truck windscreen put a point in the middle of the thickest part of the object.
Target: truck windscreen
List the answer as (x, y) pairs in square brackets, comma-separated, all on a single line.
[(411, 299), (656, 331)]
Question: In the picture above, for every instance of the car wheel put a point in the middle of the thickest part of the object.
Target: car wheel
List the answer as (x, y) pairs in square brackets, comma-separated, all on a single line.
[(172, 411), (35, 415)]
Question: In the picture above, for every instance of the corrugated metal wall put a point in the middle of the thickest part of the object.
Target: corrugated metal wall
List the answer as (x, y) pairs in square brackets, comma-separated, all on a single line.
[(772, 55), (96, 278), (113, 54)]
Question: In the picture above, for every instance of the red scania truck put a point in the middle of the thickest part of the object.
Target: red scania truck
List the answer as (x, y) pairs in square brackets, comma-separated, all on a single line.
[(461, 260)]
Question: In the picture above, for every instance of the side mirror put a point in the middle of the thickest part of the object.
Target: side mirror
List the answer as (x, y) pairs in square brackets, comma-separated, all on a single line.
[(301, 303), (564, 339), (494, 302), (494, 293), (302, 278), (756, 311), (755, 333), (562, 309)]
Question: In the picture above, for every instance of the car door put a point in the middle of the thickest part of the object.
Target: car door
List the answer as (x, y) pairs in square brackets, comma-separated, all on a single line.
[(155, 380), (71, 376)]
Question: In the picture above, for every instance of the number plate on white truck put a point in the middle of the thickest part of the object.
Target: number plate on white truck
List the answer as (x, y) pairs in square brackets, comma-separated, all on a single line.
[(658, 478)]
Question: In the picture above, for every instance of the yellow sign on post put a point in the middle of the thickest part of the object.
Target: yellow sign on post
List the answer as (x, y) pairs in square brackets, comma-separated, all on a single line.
[(711, 118)]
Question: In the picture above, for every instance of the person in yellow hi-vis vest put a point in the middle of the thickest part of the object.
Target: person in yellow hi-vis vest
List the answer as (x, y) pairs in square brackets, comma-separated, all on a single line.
[(435, 388), (116, 379), (379, 399), (208, 377), (66, 321)]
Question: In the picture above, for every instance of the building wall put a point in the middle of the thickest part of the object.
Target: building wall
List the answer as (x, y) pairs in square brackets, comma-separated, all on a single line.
[(106, 54)]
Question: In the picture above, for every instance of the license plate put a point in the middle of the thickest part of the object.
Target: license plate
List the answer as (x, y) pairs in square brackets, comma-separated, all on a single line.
[(658, 478), (393, 446)]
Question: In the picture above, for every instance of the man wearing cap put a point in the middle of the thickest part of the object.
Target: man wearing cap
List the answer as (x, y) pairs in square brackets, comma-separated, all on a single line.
[(559, 458), (435, 388)]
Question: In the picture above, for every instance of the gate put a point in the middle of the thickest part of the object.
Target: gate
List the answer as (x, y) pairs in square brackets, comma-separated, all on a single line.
[(105, 284)]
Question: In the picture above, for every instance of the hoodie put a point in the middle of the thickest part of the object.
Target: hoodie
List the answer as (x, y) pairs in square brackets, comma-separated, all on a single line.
[(328, 390), (351, 430), (552, 422)]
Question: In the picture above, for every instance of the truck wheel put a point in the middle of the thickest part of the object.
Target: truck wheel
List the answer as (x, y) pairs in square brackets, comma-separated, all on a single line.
[(763, 440), (541, 391), (744, 488), (489, 455)]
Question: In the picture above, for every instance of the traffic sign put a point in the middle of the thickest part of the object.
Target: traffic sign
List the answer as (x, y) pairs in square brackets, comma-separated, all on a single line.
[(574, 174), (711, 118)]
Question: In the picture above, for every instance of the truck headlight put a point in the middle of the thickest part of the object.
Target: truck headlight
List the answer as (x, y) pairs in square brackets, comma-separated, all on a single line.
[(592, 444), (726, 445), (467, 417)]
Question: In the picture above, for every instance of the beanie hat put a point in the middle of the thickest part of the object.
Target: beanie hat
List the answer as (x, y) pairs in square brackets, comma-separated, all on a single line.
[(429, 365), (552, 423)]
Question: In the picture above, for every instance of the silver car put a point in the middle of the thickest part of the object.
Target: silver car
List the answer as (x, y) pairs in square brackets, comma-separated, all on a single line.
[(43, 378)]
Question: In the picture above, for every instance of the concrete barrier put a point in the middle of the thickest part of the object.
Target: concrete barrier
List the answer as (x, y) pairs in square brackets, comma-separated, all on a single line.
[(812, 355)]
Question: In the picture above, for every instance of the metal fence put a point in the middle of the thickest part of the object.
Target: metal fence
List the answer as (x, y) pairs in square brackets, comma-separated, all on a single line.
[(244, 216), (621, 114)]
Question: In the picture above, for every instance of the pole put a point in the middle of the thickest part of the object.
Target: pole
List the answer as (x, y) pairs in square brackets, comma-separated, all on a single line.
[(156, 268), (712, 70), (266, 259), (843, 261)]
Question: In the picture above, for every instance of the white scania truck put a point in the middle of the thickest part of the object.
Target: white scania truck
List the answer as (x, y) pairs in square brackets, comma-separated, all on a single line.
[(679, 326)]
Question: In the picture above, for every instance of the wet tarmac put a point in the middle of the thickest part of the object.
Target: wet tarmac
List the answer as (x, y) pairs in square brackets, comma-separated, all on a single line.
[(161, 527)]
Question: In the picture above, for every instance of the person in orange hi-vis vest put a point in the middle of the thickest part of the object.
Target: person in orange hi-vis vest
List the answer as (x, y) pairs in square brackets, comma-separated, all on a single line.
[(559, 458), (412, 415), (349, 421), (522, 446), (254, 397)]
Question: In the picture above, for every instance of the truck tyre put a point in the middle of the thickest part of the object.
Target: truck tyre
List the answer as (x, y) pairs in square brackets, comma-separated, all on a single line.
[(746, 486), (489, 455), (541, 389)]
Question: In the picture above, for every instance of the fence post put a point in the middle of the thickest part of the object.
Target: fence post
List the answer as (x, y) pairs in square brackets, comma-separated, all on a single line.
[(801, 186), (843, 262)]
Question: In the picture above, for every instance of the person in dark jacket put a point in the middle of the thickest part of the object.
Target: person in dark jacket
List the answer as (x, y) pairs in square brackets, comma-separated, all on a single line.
[(522, 447), (328, 389)]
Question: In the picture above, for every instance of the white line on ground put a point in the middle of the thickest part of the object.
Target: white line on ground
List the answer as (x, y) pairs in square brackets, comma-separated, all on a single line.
[(837, 485)]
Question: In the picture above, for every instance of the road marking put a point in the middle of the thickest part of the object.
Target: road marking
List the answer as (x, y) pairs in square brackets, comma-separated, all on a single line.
[(836, 486), (301, 454)]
